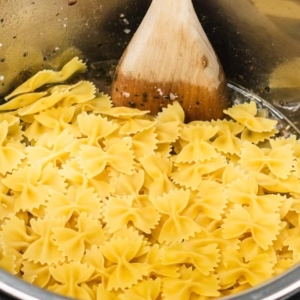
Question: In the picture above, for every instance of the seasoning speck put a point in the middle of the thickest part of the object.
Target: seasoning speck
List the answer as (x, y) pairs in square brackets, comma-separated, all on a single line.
[(173, 96), (127, 30), (126, 94), (160, 91), (126, 21)]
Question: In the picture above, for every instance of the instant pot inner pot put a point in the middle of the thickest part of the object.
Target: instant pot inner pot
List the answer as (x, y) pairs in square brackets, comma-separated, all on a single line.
[(257, 41)]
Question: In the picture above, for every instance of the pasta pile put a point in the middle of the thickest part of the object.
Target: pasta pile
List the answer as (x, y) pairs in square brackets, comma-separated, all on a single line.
[(102, 202)]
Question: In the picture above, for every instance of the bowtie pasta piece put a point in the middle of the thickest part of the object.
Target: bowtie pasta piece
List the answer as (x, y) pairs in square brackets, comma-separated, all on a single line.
[(72, 242), (71, 277), (263, 228), (75, 202), (256, 271), (94, 160), (227, 140), (246, 114), (123, 272), (147, 288), (10, 156), (43, 249), (279, 160), (177, 227), (190, 282), (48, 77), (198, 147)]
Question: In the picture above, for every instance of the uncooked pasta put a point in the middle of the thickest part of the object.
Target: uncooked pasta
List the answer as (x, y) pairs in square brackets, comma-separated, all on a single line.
[(102, 202)]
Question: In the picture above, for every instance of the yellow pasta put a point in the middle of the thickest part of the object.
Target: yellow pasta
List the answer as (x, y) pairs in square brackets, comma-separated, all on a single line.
[(48, 76), (10, 155), (122, 273), (227, 140), (233, 268), (211, 200), (169, 123), (71, 277), (246, 192), (37, 274), (157, 267), (246, 114), (158, 170), (94, 159), (177, 227), (72, 242), (190, 282), (147, 288), (74, 203), (43, 248), (191, 175), (104, 203), (73, 174), (256, 137), (120, 211), (204, 258), (135, 125), (145, 143), (31, 185), (95, 128), (197, 148), (279, 160), (263, 228)]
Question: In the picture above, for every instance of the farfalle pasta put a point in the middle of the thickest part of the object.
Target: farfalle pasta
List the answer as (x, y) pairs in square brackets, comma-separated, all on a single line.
[(123, 210), (122, 273), (10, 154), (233, 267), (72, 243), (109, 203), (191, 281), (278, 161), (48, 77), (227, 140), (175, 227), (197, 147)]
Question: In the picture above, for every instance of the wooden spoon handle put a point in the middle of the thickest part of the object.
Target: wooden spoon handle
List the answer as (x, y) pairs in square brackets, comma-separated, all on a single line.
[(170, 58)]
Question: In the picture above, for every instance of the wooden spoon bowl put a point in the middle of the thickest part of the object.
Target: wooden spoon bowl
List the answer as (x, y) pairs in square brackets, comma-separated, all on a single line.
[(171, 59)]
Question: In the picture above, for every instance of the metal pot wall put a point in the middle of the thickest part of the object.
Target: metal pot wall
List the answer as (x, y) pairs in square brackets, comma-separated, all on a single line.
[(257, 41)]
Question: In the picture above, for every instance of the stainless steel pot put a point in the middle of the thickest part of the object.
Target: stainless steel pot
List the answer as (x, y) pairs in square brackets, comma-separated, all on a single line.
[(257, 41)]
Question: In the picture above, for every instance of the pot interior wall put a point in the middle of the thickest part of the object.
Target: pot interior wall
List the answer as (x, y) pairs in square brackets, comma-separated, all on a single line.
[(258, 41)]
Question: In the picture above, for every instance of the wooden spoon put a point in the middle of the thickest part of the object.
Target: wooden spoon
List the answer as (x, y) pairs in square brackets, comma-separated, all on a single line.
[(170, 58)]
